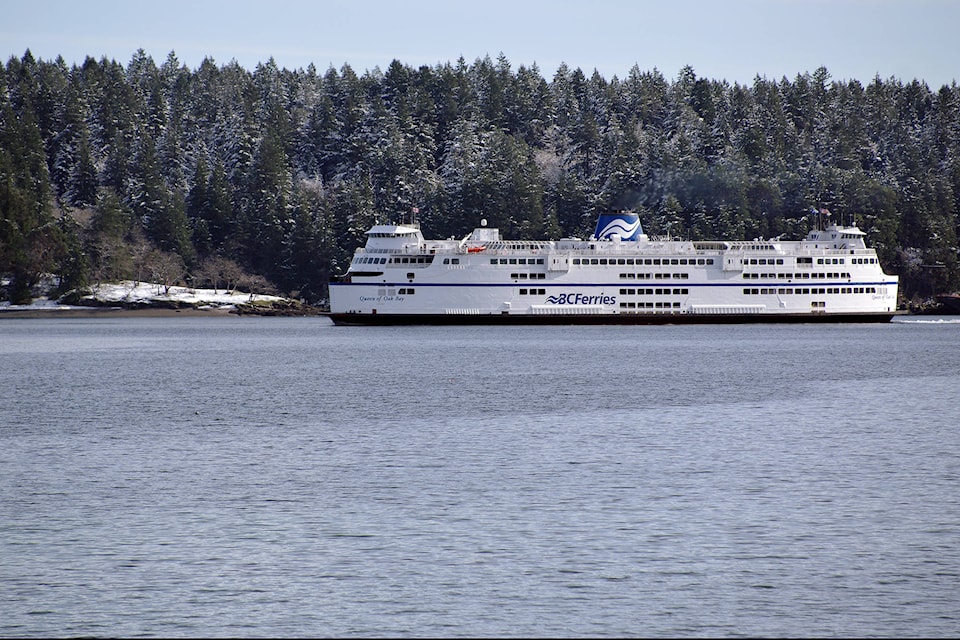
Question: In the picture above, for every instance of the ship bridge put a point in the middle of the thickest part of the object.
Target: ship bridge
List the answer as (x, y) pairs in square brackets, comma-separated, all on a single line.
[(836, 237), (393, 238)]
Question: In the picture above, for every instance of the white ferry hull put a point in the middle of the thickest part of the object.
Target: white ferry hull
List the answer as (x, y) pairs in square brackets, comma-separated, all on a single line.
[(395, 319), (400, 278)]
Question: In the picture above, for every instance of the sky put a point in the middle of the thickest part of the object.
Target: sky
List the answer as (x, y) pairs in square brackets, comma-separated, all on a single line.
[(732, 40)]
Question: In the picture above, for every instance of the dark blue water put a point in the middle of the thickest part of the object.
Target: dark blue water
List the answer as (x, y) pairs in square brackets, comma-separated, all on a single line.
[(252, 477)]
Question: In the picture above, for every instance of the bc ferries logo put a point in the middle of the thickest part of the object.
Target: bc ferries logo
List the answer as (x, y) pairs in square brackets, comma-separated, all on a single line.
[(626, 225), (579, 298)]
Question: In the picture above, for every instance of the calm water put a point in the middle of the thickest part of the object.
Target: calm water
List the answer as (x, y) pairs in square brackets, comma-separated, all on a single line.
[(261, 477)]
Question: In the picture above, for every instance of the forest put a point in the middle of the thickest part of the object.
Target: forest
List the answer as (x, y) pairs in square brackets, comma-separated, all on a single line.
[(267, 179)]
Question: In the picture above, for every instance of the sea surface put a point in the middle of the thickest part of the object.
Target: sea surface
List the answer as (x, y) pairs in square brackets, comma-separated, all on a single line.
[(283, 477)]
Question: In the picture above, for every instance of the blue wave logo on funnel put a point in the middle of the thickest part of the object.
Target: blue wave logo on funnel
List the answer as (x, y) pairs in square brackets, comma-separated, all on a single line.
[(624, 224)]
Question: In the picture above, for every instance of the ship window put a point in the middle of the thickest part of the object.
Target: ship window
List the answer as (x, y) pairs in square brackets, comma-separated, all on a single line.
[(576, 261), (455, 261)]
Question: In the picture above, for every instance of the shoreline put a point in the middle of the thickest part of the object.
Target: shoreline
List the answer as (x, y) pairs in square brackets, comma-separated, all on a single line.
[(99, 312), (49, 312), (140, 312)]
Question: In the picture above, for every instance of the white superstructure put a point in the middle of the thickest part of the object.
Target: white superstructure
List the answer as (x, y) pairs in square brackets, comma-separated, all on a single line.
[(617, 276)]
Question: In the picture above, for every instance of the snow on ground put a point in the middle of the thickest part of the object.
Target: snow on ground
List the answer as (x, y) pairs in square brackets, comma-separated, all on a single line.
[(129, 292), (133, 293)]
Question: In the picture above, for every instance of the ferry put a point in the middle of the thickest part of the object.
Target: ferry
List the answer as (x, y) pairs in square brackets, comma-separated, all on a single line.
[(617, 276)]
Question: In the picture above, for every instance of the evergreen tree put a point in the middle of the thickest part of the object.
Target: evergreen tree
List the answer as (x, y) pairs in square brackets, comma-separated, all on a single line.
[(265, 167), (31, 243)]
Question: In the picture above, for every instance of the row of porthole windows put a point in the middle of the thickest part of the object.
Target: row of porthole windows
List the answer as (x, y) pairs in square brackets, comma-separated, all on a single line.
[(824, 275), (530, 276), (863, 261), (642, 261), (655, 276), (516, 260), (763, 261), (533, 292), (653, 292), (814, 290), (413, 260), (370, 260), (649, 305)]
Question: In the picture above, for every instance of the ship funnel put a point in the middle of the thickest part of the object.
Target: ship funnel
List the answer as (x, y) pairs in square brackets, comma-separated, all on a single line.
[(625, 224)]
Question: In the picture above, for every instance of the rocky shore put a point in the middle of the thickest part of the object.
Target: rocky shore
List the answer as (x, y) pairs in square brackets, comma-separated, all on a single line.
[(146, 299)]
